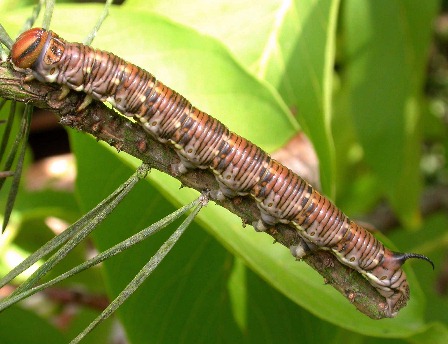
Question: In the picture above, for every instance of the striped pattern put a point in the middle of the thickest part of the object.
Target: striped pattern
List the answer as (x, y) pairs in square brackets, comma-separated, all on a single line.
[(201, 141)]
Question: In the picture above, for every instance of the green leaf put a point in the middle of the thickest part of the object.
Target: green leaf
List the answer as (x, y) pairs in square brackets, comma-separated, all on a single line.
[(386, 61), (37, 329), (435, 333), (306, 79)]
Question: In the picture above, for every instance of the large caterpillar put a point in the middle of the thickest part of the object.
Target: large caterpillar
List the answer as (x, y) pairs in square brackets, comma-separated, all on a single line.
[(201, 141)]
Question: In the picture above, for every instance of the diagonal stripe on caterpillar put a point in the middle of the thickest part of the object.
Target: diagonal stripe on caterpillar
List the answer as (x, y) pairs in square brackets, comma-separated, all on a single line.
[(201, 141)]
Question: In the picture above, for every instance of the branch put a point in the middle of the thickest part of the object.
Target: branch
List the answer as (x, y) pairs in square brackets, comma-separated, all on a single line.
[(105, 124)]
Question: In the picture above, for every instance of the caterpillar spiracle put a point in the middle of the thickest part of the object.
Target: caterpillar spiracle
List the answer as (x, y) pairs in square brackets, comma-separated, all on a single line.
[(201, 141)]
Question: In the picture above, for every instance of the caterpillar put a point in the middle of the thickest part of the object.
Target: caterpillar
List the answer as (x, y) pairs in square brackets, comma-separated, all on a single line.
[(201, 141)]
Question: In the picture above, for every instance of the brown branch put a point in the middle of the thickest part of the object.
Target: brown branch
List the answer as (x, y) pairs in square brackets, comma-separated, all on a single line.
[(105, 124)]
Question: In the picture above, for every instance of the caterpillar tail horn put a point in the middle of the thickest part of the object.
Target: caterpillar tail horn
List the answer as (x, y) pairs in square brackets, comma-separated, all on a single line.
[(403, 257)]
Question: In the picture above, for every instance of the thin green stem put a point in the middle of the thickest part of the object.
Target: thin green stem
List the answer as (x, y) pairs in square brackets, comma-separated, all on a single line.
[(86, 227), (120, 247), (104, 14), (7, 131), (18, 171), (29, 23), (17, 142), (141, 275), (4, 38), (49, 8), (94, 216)]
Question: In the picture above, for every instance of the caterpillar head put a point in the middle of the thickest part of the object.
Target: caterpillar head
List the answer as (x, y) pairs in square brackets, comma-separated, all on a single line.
[(39, 50), (28, 47)]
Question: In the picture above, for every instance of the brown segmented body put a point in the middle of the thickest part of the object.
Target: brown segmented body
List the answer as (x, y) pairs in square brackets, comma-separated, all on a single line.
[(201, 141)]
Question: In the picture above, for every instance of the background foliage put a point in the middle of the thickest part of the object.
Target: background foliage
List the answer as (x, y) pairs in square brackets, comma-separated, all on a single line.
[(351, 74)]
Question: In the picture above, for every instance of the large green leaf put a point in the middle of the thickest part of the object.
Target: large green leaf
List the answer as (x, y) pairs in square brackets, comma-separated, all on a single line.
[(386, 45)]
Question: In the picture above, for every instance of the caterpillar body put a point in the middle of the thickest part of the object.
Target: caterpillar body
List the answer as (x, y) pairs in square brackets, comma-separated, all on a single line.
[(201, 141)]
